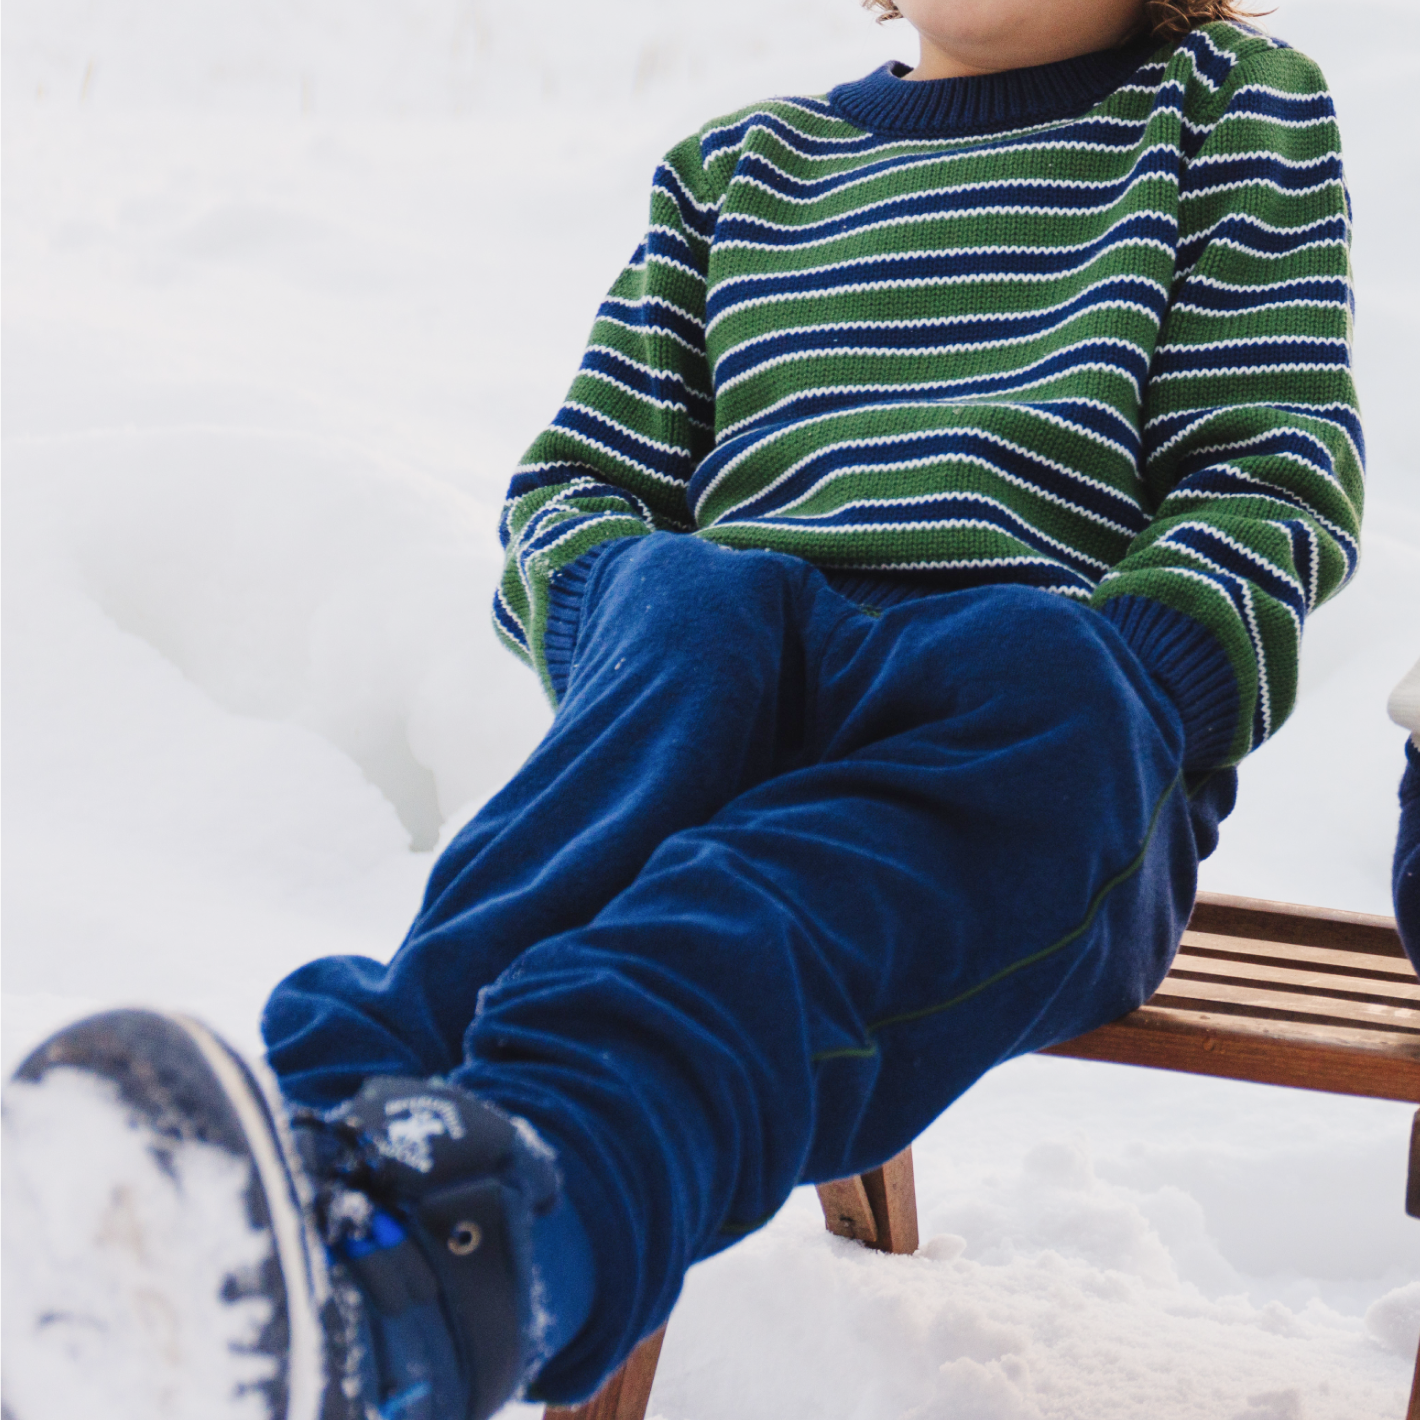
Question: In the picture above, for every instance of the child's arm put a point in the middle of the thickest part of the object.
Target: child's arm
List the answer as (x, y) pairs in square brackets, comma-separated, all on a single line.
[(617, 458), (1252, 433)]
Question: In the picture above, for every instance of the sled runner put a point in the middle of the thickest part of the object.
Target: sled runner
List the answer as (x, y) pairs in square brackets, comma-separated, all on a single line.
[(1267, 992)]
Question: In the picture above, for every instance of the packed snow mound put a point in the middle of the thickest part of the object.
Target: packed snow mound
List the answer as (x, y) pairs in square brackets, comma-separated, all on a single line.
[(292, 580)]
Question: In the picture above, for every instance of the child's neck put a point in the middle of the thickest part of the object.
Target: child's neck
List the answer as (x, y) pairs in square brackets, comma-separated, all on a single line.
[(1080, 28)]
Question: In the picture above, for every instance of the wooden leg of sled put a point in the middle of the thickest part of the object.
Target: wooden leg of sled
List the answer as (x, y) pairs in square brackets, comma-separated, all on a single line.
[(627, 1392), (877, 1209)]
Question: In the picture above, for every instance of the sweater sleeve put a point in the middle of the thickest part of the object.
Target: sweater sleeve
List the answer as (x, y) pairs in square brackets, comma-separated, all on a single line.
[(1253, 450), (617, 458)]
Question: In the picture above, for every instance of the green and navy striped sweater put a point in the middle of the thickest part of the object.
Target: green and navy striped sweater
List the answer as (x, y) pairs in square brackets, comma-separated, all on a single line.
[(1084, 327)]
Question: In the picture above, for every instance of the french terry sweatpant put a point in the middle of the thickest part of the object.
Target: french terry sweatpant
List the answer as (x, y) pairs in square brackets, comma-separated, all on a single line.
[(785, 877), (1406, 878)]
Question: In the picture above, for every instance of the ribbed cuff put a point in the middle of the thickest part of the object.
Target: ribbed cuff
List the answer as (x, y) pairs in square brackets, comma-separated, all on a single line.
[(565, 595), (1191, 667), (878, 592)]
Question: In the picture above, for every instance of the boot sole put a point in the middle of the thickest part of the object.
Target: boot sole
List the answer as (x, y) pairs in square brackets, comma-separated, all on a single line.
[(193, 1142)]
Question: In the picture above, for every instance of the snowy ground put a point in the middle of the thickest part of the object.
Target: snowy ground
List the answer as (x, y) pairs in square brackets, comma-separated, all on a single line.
[(287, 290)]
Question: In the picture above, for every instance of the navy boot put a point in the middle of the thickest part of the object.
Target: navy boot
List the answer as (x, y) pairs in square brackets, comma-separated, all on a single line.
[(426, 1198)]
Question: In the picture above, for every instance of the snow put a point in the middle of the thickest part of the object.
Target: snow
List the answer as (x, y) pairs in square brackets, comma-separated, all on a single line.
[(113, 1291), (288, 288)]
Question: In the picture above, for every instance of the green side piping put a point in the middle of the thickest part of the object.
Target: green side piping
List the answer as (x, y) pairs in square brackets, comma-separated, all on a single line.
[(870, 1048)]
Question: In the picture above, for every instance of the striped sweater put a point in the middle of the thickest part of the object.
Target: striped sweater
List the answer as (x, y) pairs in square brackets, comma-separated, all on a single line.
[(1084, 327)]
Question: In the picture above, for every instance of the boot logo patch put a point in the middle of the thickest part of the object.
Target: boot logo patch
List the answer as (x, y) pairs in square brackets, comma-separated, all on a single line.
[(411, 1124)]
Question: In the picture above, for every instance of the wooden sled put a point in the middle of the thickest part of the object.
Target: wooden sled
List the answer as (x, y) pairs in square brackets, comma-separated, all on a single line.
[(1260, 991)]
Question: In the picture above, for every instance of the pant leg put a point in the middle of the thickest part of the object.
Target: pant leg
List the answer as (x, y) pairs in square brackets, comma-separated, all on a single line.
[(685, 690), (986, 849), (1406, 881)]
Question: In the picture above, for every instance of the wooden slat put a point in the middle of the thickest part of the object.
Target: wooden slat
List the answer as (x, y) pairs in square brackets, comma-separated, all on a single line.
[(1340, 963), (1336, 1059), (1189, 965), (1286, 922), (1274, 1003)]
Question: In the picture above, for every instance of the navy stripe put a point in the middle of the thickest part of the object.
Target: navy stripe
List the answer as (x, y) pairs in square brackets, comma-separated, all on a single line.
[(657, 385), (1245, 232), (1304, 554), (616, 439), (1261, 355), (1207, 61), (1212, 545), (1347, 419), (530, 480), (1285, 108), (557, 521), (511, 627), (1278, 442), (792, 138), (1116, 507), (817, 403), (1260, 167), (669, 246), (923, 267), (1328, 291), (1141, 226), (1106, 422), (667, 181), (653, 316), (575, 491), (1070, 568), (1128, 360)]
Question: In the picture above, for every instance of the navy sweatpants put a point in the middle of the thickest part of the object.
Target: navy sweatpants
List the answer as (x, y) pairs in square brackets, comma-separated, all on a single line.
[(783, 879), (1406, 880)]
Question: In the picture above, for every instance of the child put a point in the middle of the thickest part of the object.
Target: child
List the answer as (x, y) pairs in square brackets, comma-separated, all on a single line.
[(929, 529)]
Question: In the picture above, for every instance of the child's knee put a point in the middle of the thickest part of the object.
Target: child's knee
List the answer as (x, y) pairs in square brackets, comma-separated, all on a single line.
[(676, 595)]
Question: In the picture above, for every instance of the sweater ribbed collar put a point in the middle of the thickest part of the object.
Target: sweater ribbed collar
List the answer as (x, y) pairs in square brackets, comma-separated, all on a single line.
[(884, 102)]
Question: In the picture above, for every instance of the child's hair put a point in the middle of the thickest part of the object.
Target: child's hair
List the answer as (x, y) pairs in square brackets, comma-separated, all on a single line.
[(1168, 19)]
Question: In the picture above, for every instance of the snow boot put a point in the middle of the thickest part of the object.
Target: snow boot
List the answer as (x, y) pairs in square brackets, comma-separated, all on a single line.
[(174, 1248)]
